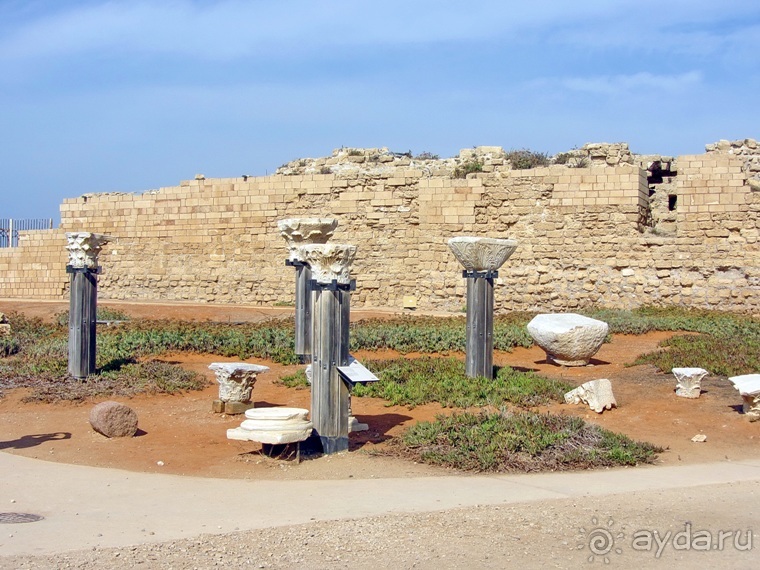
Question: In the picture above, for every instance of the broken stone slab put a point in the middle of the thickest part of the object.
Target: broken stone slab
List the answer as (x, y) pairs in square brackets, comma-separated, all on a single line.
[(689, 381), (236, 379), (355, 425), (749, 388), (273, 426), (113, 419), (596, 393), (568, 339)]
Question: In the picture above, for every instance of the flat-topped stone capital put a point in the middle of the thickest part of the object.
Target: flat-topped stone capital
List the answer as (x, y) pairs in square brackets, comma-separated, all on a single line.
[(305, 231), (481, 253), (749, 388), (84, 248), (568, 339), (689, 381), (236, 379), (329, 262), (596, 393)]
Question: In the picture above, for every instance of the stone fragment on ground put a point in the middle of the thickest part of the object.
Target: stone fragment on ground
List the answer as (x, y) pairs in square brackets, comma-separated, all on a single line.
[(596, 393), (113, 419), (568, 339)]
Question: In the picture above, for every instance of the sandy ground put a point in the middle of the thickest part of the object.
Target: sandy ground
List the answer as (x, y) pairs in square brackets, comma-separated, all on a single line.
[(181, 435)]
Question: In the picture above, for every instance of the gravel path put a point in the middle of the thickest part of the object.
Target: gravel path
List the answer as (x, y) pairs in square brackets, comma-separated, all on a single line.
[(549, 534)]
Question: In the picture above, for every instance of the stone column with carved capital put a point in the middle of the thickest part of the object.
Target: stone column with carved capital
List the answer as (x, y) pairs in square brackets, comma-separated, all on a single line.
[(83, 249), (481, 259), (298, 232), (331, 267)]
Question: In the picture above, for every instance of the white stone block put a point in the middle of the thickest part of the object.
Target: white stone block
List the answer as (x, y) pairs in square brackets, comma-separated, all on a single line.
[(567, 338), (689, 381), (596, 393)]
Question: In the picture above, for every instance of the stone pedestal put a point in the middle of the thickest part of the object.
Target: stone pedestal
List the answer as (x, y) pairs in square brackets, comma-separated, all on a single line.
[(481, 258), (596, 393), (567, 338), (236, 381), (689, 381), (330, 265), (273, 426), (83, 249), (298, 232), (749, 388)]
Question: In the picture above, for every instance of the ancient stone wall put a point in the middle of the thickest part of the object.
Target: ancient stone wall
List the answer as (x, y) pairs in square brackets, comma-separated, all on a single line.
[(587, 232)]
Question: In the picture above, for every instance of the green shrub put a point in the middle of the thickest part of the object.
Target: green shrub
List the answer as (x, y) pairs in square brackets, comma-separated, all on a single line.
[(468, 167), (525, 158), (519, 441)]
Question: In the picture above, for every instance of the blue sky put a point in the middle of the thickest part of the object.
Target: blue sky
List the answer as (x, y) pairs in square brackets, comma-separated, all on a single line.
[(101, 96)]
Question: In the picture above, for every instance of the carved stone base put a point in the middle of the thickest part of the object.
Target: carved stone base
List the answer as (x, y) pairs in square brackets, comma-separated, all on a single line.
[(596, 393), (273, 426)]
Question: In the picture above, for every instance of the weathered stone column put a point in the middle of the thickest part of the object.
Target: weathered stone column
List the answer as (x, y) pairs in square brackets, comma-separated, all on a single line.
[(83, 248), (298, 232), (481, 258), (330, 265)]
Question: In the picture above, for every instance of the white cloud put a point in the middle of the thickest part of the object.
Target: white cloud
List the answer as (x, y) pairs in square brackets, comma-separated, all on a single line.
[(623, 84)]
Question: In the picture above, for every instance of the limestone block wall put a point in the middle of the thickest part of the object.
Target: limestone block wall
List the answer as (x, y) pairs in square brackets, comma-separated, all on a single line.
[(585, 237), (36, 269)]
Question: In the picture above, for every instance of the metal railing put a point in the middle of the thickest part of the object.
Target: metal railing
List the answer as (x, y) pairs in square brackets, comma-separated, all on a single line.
[(9, 229)]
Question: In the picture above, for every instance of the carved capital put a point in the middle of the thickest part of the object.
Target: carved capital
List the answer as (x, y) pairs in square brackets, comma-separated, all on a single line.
[(689, 381), (330, 261), (305, 231), (481, 254), (84, 248)]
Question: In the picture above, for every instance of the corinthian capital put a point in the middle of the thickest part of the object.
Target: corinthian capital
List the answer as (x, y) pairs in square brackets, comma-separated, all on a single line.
[(84, 247), (305, 231), (330, 261)]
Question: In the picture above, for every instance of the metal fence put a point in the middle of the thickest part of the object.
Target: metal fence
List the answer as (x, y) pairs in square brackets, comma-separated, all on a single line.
[(9, 229)]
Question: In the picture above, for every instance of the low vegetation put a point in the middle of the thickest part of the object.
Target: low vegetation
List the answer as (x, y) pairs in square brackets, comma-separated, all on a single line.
[(415, 381), (519, 441), (467, 167), (524, 158)]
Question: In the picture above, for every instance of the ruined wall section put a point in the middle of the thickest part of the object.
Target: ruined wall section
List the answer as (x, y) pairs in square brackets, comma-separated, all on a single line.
[(584, 233)]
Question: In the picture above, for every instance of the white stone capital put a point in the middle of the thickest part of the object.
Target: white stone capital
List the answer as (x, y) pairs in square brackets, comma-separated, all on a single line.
[(481, 254), (689, 381), (236, 379), (84, 248), (305, 231), (329, 261)]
